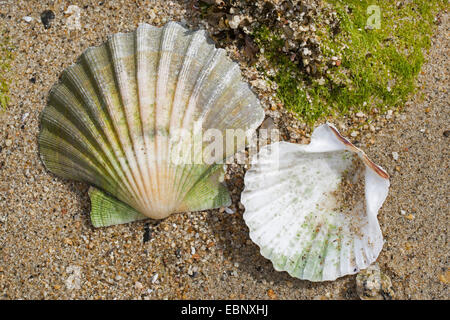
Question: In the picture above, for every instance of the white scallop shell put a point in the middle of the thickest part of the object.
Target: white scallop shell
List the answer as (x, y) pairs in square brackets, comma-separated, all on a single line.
[(293, 212), (120, 116)]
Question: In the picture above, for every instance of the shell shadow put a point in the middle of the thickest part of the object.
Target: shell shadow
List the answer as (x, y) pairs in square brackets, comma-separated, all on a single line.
[(232, 238)]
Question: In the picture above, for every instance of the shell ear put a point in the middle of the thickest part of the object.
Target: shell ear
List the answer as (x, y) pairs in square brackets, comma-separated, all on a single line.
[(107, 210)]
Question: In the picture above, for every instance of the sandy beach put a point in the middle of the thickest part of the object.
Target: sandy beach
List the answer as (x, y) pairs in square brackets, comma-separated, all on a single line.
[(50, 250)]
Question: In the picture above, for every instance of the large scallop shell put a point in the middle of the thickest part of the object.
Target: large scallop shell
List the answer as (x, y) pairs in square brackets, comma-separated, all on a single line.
[(312, 209), (119, 115)]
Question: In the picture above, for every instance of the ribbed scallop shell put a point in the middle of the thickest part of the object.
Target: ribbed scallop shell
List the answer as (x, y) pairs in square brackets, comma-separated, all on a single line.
[(112, 121), (302, 217)]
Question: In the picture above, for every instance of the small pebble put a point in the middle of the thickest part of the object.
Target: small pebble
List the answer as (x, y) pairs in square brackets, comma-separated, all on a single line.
[(271, 294), (8, 142), (234, 22), (445, 278), (27, 19), (409, 217), (372, 284), (229, 211), (25, 116)]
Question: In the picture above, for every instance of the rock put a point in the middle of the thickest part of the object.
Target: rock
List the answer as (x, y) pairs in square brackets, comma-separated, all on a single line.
[(8, 142), (360, 114), (372, 284), (46, 17), (27, 19)]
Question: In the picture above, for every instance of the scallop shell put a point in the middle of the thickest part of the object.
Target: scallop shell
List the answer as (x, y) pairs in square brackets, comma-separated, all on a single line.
[(119, 117), (312, 209)]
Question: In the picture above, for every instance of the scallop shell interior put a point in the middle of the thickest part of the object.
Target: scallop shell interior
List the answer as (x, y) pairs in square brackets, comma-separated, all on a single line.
[(120, 114), (312, 209)]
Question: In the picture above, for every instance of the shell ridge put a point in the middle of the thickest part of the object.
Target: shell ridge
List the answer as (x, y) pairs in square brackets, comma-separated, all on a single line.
[(188, 44), (176, 114), (143, 141), (230, 101), (66, 101), (189, 113), (218, 89), (346, 256), (72, 79), (88, 171), (314, 257), (74, 138), (241, 99), (331, 261), (148, 52), (166, 45), (188, 166), (122, 124)]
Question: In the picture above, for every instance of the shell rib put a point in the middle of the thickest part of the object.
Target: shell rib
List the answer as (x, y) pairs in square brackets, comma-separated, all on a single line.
[(114, 121), (312, 209)]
